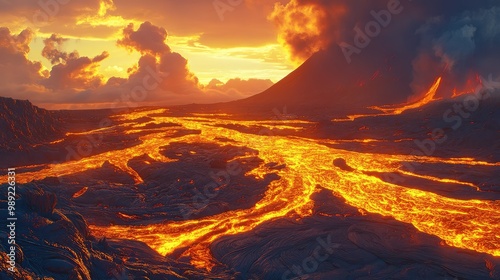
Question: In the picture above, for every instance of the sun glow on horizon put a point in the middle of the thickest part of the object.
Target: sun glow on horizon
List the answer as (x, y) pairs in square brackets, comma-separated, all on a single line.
[(205, 62)]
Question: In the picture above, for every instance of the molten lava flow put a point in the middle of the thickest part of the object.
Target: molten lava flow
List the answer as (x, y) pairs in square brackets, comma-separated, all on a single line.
[(470, 224), (399, 109), (472, 84), (80, 192), (426, 99), (467, 224)]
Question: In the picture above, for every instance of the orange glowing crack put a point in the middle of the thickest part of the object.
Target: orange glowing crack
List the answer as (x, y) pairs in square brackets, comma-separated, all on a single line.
[(428, 97)]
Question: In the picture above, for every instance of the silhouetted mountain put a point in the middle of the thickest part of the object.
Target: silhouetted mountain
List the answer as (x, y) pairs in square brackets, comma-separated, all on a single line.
[(328, 83), (23, 124)]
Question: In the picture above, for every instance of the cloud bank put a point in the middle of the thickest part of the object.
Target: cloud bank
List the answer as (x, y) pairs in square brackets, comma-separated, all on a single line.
[(160, 77)]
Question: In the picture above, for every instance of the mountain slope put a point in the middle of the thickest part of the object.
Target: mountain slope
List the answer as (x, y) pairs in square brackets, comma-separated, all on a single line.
[(327, 82)]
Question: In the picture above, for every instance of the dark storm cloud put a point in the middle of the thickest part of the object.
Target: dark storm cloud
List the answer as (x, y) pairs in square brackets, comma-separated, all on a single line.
[(462, 44), (422, 40)]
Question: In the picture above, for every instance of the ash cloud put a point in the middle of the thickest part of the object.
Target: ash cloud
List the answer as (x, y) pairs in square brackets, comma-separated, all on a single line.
[(458, 47), (427, 39)]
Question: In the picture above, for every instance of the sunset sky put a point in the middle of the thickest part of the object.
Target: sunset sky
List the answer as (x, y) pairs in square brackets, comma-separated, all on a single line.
[(220, 40), (102, 53)]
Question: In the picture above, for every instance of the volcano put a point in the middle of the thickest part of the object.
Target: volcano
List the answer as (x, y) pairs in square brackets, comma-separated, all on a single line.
[(330, 82), (377, 164)]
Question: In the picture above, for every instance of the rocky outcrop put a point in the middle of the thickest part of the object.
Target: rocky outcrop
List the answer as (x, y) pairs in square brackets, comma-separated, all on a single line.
[(54, 243), (22, 124)]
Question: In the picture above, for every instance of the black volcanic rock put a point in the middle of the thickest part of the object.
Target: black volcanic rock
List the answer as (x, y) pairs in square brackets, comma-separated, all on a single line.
[(342, 164), (40, 201), (22, 124), (339, 242), (60, 246)]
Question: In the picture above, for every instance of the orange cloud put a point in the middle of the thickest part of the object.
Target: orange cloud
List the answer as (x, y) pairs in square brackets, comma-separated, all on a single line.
[(70, 71), (16, 43), (305, 27), (160, 77), (147, 39), (158, 60), (51, 50), (104, 18), (16, 69)]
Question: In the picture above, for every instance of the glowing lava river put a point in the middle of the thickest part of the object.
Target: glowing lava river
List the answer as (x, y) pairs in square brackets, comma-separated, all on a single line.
[(308, 163)]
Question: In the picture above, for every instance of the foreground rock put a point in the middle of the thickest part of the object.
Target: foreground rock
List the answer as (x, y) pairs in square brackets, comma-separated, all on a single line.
[(22, 124), (56, 244)]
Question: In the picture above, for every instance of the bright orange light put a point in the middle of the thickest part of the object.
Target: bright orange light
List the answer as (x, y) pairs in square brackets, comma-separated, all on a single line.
[(470, 224), (473, 82), (426, 99), (305, 22)]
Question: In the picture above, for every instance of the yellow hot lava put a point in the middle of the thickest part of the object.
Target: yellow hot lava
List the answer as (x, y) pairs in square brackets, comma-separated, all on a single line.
[(426, 99), (470, 224)]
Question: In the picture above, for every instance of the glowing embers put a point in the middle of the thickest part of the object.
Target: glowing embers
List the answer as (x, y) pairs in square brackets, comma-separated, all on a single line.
[(80, 192)]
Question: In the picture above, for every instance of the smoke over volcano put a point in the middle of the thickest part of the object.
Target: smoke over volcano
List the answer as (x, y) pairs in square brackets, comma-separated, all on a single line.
[(421, 39)]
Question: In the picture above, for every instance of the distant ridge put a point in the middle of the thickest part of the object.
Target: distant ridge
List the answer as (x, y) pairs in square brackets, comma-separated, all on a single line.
[(22, 124)]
